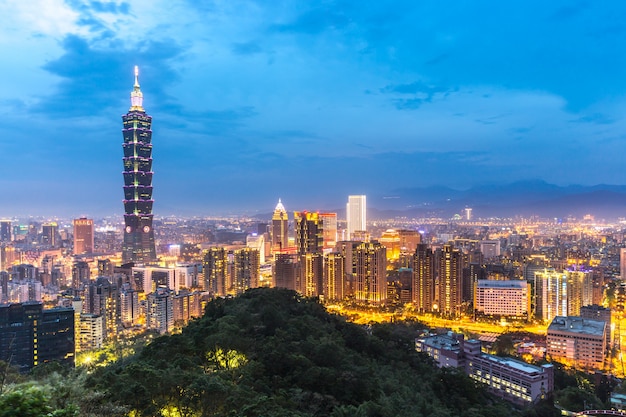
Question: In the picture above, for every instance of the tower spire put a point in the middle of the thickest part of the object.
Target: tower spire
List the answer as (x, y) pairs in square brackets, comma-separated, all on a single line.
[(136, 96)]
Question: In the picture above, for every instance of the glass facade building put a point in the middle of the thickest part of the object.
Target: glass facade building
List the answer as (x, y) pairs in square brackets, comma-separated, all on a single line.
[(138, 243)]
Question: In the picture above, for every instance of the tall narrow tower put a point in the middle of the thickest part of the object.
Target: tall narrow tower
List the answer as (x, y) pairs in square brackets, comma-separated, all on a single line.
[(138, 243), (356, 213)]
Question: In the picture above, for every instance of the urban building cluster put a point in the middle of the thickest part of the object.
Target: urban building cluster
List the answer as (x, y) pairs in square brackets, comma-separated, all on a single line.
[(108, 279)]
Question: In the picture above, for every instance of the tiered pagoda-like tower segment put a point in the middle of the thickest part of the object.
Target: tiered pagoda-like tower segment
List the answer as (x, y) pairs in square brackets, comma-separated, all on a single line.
[(138, 243)]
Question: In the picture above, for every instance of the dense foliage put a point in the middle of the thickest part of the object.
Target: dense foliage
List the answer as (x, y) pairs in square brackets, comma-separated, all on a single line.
[(271, 352)]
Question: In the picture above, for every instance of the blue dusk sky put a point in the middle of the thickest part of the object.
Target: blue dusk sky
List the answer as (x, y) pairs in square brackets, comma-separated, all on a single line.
[(306, 100)]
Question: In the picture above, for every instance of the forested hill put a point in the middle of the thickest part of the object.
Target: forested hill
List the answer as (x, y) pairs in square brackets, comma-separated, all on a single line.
[(271, 352)]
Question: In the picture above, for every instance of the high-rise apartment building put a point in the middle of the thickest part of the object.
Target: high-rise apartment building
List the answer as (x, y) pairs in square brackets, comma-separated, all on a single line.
[(370, 280), (356, 215), (450, 271), (562, 293), (160, 310), (334, 276), (280, 228), (83, 236), (423, 278), (215, 268), (246, 270), (138, 243)]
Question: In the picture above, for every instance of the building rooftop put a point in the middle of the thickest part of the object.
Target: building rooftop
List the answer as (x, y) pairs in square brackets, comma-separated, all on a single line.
[(575, 324), (441, 341), (515, 364), (487, 283)]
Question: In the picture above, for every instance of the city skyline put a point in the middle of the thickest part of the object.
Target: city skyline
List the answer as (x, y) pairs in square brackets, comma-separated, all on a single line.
[(369, 98)]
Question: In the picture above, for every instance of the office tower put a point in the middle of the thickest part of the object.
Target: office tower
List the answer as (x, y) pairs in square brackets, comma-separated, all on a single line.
[(160, 310), (329, 223), (246, 270), (334, 276), (30, 335), (5, 230), (423, 278), (214, 267), (468, 213), (370, 281), (280, 228), (450, 280), (83, 236), (49, 234), (138, 243), (356, 215), (286, 270), (309, 232)]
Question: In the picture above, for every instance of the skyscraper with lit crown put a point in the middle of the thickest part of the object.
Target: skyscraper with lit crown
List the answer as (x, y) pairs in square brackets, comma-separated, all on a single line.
[(138, 243), (280, 228)]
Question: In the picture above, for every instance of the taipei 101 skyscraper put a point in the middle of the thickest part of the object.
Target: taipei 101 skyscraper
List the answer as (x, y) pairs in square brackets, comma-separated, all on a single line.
[(138, 243)]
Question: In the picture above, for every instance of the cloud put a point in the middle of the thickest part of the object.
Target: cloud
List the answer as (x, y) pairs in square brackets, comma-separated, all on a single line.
[(246, 48), (421, 92), (597, 118), (91, 79), (314, 21)]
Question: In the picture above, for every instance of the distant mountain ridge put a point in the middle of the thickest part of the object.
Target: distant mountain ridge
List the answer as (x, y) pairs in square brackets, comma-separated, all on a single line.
[(523, 198)]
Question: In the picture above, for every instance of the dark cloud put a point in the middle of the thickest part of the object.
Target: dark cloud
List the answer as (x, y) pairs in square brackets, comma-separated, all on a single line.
[(421, 92), (246, 48), (596, 118), (314, 21), (92, 77)]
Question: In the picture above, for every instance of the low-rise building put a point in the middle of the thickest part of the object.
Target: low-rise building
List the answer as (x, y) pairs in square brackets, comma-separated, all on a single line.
[(511, 379), (445, 349), (578, 341)]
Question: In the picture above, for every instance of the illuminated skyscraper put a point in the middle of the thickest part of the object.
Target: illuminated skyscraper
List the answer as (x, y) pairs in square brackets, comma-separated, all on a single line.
[(334, 276), (450, 276), (423, 278), (309, 232), (356, 214), (138, 243), (370, 281), (280, 228), (215, 267), (83, 236)]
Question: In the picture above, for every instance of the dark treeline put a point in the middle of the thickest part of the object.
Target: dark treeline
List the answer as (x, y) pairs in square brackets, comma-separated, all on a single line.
[(271, 352)]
